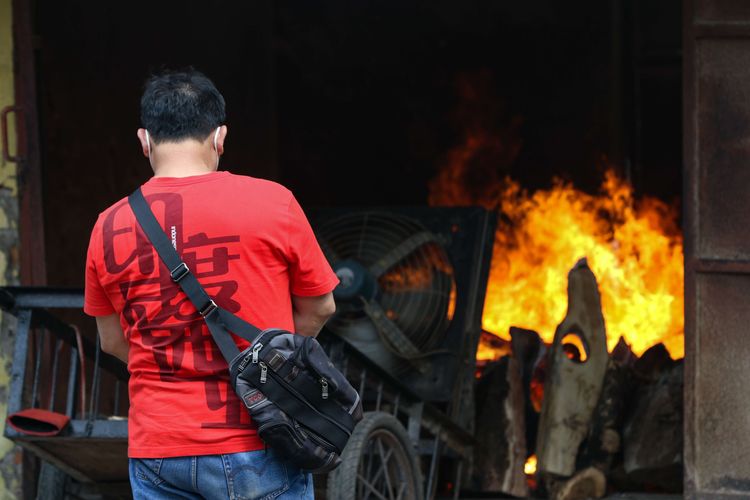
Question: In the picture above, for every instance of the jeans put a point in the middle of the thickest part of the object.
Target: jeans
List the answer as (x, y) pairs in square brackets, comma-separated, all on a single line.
[(256, 475)]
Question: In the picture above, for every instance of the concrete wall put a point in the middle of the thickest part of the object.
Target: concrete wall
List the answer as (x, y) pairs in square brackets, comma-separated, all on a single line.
[(10, 455)]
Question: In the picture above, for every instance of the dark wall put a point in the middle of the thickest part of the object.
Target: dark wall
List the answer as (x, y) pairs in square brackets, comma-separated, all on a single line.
[(360, 102), (375, 90), (372, 95), (92, 61)]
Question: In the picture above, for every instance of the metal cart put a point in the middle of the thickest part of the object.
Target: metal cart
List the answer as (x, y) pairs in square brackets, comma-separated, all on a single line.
[(57, 367)]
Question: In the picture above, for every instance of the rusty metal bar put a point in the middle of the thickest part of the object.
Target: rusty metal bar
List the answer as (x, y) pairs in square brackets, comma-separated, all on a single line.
[(414, 424), (70, 399), (20, 351), (94, 398), (67, 333), (457, 484), (455, 437), (379, 396), (362, 378), (4, 133), (55, 366), (433, 466), (39, 347)]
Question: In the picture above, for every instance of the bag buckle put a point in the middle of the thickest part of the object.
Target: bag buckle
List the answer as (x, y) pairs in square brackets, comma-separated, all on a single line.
[(179, 272), (208, 308)]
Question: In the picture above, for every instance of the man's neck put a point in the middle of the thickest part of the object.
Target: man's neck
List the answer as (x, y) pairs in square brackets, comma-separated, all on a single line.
[(180, 170), (182, 159)]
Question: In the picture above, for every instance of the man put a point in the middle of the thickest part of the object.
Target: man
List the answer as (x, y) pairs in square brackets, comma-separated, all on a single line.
[(249, 244)]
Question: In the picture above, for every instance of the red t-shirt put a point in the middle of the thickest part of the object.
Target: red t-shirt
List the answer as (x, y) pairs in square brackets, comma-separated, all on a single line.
[(249, 244)]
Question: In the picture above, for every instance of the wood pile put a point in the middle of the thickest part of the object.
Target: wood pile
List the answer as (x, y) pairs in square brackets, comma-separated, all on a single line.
[(597, 422)]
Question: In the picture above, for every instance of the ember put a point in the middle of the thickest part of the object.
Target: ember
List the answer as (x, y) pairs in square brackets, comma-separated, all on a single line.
[(530, 467)]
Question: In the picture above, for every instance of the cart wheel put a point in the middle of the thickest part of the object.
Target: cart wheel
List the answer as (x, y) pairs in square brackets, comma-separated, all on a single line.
[(379, 462), (51, 483)]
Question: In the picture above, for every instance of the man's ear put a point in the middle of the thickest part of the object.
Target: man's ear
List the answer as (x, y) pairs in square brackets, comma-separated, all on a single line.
[(220, 140), (144, 142)]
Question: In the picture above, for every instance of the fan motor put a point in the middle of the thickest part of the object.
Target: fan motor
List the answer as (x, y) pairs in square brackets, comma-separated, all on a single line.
[(356, 281)]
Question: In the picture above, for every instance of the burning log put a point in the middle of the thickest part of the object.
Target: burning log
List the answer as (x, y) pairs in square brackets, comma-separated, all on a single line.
[(655, 361), (572, 389), (623, 354), (500, 454), (527, 349)]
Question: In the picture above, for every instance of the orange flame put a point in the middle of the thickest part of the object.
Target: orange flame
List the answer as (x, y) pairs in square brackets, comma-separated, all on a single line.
[(529, 467), (632, 245)]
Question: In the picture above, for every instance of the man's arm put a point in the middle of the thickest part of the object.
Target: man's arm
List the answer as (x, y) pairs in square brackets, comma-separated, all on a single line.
[(112, 338), (311, 313)]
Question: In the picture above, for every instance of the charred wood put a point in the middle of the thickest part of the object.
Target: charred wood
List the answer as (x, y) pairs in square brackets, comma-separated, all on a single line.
[(623, 354), (653, 437), (526, 346), (500, 453), (528, 349), (653, 363), (604, 440), (494, 342)]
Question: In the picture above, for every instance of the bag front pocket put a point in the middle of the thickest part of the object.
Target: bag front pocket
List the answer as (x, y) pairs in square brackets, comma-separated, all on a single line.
[(292, 444)]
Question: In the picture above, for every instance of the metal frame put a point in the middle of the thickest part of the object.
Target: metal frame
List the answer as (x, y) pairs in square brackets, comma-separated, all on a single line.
[(433, 434), (37, 326)]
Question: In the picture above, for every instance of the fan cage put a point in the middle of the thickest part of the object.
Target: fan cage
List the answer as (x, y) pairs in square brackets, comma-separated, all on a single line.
[(417, 293)]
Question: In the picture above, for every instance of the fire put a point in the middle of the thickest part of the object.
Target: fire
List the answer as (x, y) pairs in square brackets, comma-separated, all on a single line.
[(529, 467), (633, 246)]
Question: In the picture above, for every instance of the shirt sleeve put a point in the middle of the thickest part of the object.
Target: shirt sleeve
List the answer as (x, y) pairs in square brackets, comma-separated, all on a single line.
[(96, 302), (310, 273)]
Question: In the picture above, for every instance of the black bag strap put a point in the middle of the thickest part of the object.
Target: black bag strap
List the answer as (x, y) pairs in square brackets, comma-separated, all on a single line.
[(216, 317)]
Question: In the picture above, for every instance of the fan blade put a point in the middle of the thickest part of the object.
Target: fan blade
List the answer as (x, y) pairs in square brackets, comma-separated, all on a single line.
[(390, 332), (400, 251), (417, 313)]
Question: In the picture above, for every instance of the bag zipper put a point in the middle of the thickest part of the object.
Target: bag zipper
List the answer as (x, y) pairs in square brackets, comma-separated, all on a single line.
[(323, 380), (257, 346), (256, 351), (296, 394), (263, 373), (322, 442), (290, 427)]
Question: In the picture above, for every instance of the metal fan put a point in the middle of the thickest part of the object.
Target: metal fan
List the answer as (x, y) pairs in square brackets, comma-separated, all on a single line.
[(397, 292)]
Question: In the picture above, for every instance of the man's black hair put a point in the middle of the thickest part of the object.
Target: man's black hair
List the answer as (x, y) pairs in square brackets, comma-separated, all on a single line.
[(180, 105)]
